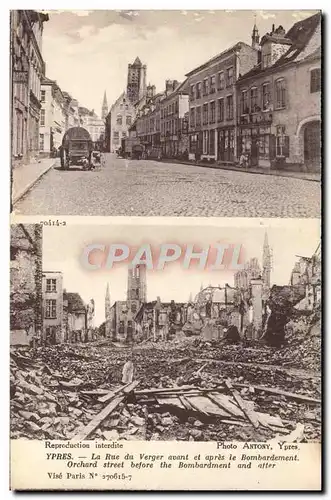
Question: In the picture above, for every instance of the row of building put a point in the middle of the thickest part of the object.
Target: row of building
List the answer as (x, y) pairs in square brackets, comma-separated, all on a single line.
[(40, 308), (263, 100), (40, 111)]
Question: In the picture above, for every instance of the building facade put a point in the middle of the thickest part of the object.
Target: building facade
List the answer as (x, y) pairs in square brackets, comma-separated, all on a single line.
[(53, 308), (118, 121), (279, 101), (25, 282), (27, 70), (212, 103), (75, 313), (52, 117), (174, 125), (120, 317)]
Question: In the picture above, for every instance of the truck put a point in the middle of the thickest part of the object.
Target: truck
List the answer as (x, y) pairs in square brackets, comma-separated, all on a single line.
[(131, 148), (76, 148)]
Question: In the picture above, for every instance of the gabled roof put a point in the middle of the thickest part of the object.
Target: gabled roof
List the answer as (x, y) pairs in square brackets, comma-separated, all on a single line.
[(300, 34)]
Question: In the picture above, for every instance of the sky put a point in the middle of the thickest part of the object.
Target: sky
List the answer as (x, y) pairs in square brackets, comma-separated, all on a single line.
[(88, 52), (63, 248)]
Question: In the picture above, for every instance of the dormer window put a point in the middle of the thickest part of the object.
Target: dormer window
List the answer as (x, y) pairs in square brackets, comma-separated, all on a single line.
[(266, 60)]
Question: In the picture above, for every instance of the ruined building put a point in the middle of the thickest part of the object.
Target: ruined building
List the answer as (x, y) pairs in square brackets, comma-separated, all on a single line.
[(25, 282)]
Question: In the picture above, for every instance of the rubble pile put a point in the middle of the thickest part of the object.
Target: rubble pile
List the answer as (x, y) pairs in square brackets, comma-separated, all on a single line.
[(57, 391)]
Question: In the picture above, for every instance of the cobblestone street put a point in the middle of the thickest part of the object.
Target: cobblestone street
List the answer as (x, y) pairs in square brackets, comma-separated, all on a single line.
[(150, 188)]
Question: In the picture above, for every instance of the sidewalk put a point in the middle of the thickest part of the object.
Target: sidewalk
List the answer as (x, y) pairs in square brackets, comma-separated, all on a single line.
[(308, 176), (26, 176)]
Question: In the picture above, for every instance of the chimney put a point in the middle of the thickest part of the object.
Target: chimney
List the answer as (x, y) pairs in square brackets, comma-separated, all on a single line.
[(169, 86), (273, 29)]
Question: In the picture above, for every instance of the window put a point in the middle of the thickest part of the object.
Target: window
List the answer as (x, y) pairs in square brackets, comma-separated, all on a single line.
[(192, 117), (266, 96), (198, 116), (205, 114), (41, 142), (43, 96), (221, 81), (50, 285), (50, 309), (116, 134), (123, 135), (42, 117), (205, 142), (266, 60), (282, 141), (220, 110), (280, 93), (244, 102), (198, 90), (119, 120), (212, 116), (315, 80), (212, 85), (264, 146), (254, 99), (129, 120), (229, 107), (192, 92), (205, 86), (229, 77), (211, 142)]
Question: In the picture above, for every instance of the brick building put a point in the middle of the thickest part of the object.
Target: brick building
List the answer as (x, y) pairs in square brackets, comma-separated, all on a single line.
[(279, 101), (27, 70), (148, 122), (53, 307), (52, 124), (174, 128), (25, 281), (212, 102)]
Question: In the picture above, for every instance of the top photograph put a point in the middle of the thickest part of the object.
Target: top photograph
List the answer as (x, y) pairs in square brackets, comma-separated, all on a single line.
[(211, 113)]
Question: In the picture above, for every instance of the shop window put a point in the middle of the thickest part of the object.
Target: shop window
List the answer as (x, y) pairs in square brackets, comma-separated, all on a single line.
[(280, 93), (264, 146), (205, 142), (315, 80), (282, 142), (211, 142)]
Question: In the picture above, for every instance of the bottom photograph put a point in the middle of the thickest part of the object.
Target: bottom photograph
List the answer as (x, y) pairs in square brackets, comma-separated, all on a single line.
[(176, 332)]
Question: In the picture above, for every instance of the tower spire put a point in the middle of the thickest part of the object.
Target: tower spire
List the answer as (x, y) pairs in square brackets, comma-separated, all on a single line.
[(255, 35), (104, 109), (266, 273)]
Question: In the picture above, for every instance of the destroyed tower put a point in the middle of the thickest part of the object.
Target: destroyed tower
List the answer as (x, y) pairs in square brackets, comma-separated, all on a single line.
[(266, 264), (137, 284), (107, 311)]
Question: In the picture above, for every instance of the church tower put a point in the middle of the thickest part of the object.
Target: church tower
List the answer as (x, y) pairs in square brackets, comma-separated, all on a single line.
[(136, 86), (255, 37), (104, 109), (137, 284), (267, 264)]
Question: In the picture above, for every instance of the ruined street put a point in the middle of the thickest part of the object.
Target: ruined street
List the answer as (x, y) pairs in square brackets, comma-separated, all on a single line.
[(151, 188), (184, 389)]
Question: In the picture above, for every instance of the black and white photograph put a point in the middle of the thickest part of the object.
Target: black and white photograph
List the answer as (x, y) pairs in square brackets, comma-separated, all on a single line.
[(118, 334), (166, 112)]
